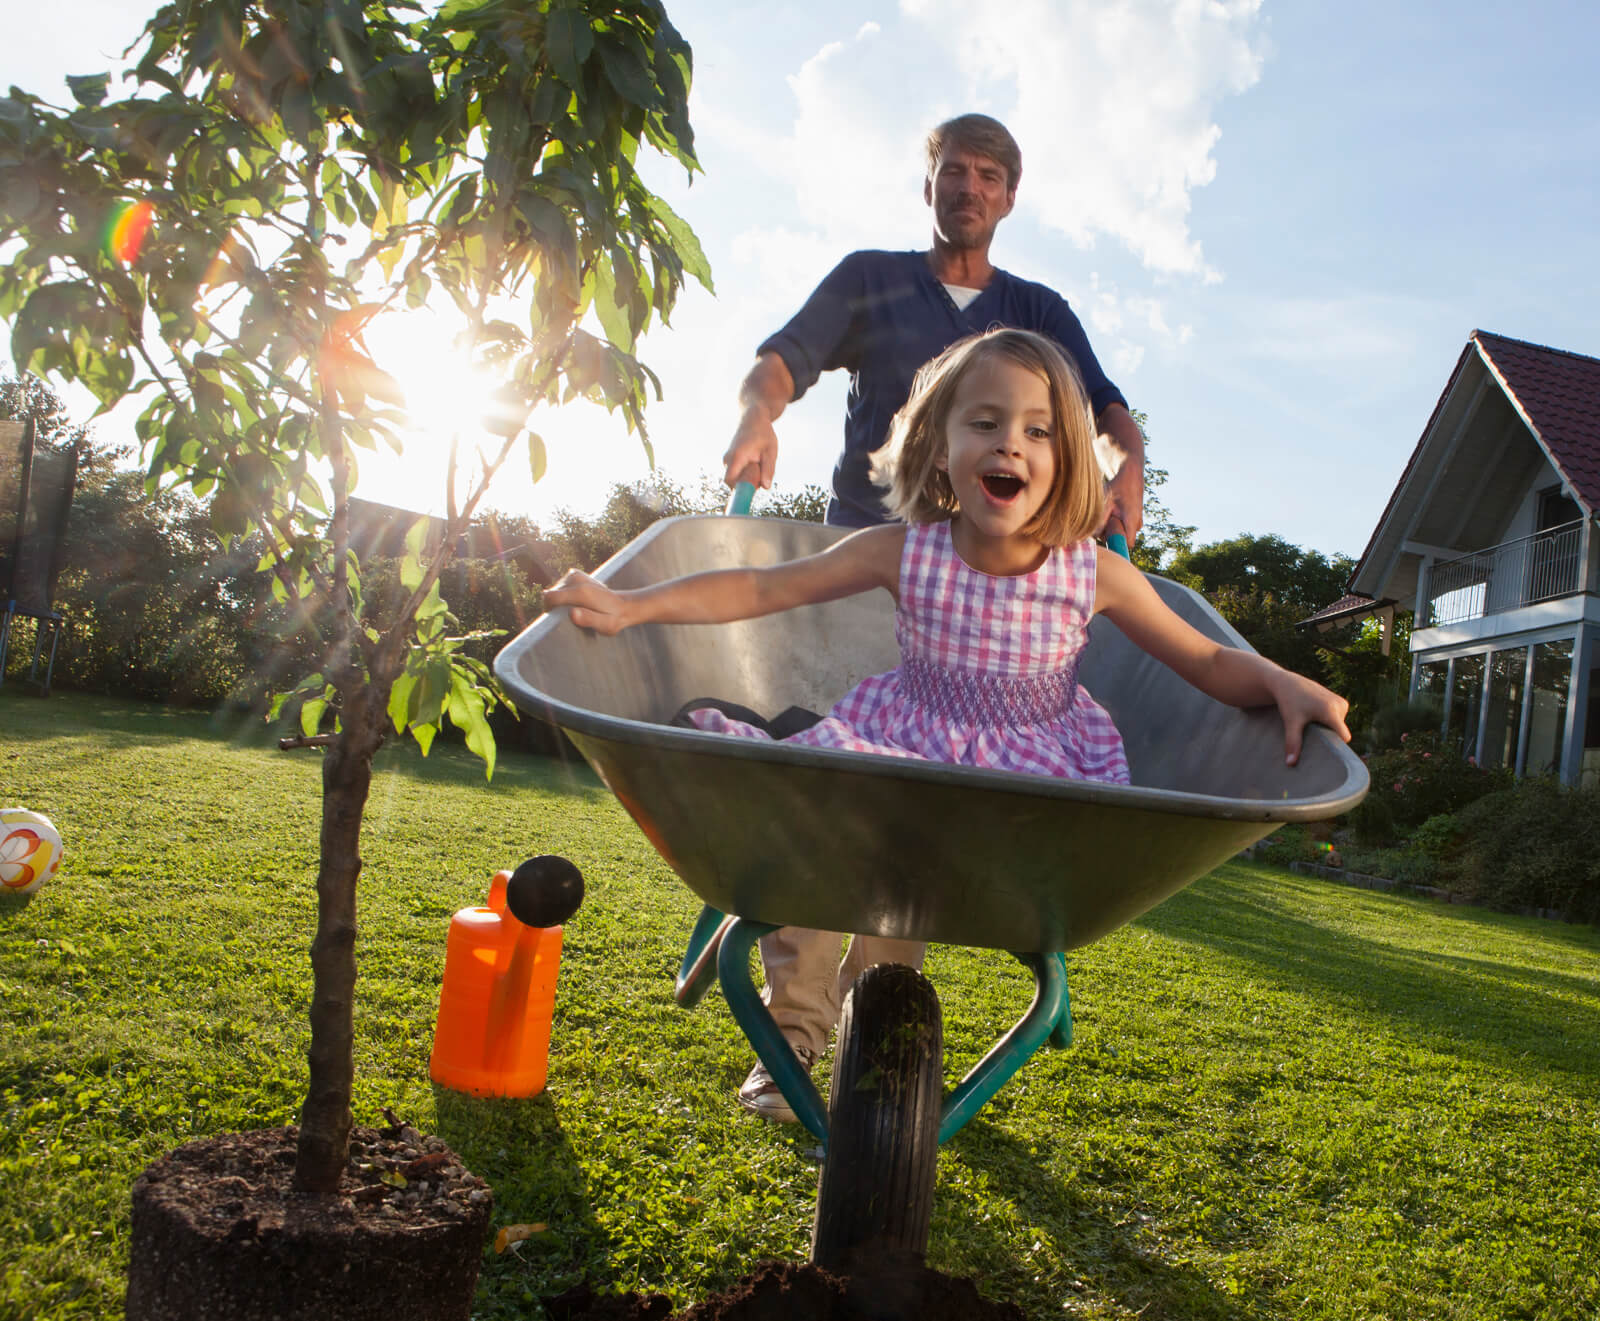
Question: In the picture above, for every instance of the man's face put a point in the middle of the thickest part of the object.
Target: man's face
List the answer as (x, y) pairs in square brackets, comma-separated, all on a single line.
[(969, 195)]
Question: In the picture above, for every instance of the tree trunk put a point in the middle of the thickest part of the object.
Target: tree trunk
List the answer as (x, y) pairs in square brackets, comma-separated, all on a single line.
[(324, 1140)]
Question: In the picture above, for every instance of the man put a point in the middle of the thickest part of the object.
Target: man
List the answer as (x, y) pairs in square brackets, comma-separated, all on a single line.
[(881, 315)]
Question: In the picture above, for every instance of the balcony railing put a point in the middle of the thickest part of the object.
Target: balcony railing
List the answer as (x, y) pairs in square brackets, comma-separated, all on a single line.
[(1503, 577)]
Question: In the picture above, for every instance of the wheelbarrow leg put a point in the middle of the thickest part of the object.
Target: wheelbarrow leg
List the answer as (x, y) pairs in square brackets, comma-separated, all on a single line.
[(875, 1199), (1049, 1018), (756, 1021), (699, 967)]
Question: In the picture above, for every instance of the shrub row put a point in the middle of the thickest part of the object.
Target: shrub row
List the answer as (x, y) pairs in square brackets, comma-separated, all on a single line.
[(1434, 819), (1419, 779)]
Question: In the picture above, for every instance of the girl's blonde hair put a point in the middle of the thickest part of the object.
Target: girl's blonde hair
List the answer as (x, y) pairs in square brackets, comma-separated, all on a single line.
[(907, 466)]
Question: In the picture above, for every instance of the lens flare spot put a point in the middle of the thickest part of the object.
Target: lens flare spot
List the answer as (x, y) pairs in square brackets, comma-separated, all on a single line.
[(125, 230)]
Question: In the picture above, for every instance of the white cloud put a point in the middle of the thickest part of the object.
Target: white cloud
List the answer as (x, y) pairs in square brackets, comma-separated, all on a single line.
[(1334, 335), (854, 157), (1113, 105), (1125, 325)]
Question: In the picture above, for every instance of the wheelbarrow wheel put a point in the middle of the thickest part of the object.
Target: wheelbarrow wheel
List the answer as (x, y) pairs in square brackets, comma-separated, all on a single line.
[(876, 1194)]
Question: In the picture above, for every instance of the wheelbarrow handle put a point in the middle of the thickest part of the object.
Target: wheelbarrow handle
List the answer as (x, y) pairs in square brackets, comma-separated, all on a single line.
[(739, 498), (699, 966), (1117, 537), (743, 492)]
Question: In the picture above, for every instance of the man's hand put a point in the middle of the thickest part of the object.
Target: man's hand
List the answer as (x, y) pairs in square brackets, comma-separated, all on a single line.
[(1125, 502), (1122, 443), (763, 395), (753, 455)]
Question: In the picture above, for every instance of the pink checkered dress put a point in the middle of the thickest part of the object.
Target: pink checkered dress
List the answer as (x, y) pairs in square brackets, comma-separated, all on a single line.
[(988, 671)]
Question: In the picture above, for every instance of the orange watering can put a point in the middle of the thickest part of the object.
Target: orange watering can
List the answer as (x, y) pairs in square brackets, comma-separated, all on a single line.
[(499, 990)]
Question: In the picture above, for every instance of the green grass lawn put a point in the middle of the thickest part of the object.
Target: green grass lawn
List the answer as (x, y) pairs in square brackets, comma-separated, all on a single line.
[(1287, 1099)]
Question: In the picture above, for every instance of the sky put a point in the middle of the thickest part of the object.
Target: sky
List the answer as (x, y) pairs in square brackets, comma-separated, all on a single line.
[(1278, 222)]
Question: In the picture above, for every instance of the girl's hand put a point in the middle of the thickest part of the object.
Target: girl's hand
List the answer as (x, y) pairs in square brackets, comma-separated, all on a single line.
[(592, 603), (1301, 702)]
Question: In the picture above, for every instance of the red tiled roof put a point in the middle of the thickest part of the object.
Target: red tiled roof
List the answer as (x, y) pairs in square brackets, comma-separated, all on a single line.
[(1345, 605), (1346, 610), (1559, 393)]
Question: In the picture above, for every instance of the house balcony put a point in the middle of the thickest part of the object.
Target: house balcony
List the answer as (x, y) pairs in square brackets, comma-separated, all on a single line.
[(1515, 574)]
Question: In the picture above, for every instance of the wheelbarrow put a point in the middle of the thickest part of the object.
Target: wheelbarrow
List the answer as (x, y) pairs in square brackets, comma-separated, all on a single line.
[(769, 834)]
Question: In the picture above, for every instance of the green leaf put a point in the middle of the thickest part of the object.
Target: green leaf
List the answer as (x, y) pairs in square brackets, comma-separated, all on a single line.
[(424, 736), (467, 713), (569, 41), (684, 242), (538, 459), (311, 715), (609, 306), (400, 700), (89, 90), (411, 564), (295, 107), (627, 72)]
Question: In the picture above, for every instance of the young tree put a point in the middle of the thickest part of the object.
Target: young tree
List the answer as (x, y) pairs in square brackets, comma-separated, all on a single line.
[(1163, 537), (25, 396), (302, 168)]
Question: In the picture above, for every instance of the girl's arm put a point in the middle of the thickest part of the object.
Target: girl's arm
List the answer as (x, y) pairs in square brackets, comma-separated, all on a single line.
[(1240, 678), (864, 560)]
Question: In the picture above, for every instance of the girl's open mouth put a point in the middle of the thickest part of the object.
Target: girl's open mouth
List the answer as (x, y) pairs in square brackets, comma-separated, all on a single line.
[(1002, 485)]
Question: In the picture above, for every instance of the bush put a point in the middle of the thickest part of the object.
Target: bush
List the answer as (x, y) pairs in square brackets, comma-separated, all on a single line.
[(1418, 780), (1398, 718), (1437, 838), (1536, 845)]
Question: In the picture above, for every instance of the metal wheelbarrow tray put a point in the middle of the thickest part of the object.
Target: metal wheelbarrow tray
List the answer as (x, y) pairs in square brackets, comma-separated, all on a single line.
[(844, 841), (772, 834)]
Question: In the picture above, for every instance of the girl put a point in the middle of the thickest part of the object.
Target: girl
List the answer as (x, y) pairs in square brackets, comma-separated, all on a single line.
[(991, 464)]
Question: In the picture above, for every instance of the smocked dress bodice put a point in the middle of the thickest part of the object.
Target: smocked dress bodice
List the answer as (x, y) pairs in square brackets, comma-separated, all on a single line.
[(988, 675)]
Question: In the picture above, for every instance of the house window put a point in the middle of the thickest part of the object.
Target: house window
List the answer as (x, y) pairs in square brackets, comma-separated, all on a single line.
[(1589, 773), (1466, 690), (1556, 508), (1433, 682), (1508, 672), (1547, 722)]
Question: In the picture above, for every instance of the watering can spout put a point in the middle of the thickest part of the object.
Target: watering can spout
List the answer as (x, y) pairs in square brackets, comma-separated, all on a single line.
[(497, 999)]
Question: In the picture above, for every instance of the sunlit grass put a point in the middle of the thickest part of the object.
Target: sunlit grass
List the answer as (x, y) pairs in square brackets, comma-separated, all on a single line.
[(1287, 1099)]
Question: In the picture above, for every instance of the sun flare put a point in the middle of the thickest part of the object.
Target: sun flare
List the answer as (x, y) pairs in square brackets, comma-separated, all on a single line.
[(446, 396)]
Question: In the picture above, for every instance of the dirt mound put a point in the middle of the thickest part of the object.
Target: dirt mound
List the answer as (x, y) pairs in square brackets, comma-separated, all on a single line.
[(785, 1291)]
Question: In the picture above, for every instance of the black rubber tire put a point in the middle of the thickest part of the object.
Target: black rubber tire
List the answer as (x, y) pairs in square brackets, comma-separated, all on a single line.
[(876, 1194)]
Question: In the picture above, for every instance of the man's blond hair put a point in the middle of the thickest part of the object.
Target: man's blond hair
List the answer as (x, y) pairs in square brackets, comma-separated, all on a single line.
[(979, 134)]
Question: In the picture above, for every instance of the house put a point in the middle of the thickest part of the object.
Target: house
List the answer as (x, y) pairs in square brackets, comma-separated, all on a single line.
[(1490, 540), (380, 530)]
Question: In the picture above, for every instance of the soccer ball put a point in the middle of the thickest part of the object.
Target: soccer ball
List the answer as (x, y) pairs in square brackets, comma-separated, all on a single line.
[(30, 850)]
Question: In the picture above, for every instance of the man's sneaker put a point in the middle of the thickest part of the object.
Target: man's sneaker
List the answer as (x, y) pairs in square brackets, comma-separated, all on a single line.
[(760, 1094)]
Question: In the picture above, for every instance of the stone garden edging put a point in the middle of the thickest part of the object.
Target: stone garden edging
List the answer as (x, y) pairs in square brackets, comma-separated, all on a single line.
[(1362, 881)]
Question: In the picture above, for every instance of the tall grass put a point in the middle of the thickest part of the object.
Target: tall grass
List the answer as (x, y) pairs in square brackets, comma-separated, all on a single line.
[(1286, 1100)]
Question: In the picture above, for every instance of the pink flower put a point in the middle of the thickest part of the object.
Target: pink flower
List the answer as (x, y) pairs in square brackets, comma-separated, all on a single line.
[(1397, 786), (1426, 756), (1404, 737), (1472, 761)]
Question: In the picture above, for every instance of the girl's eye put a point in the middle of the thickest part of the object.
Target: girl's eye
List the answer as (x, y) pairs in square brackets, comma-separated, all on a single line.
[(1039, 433)]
